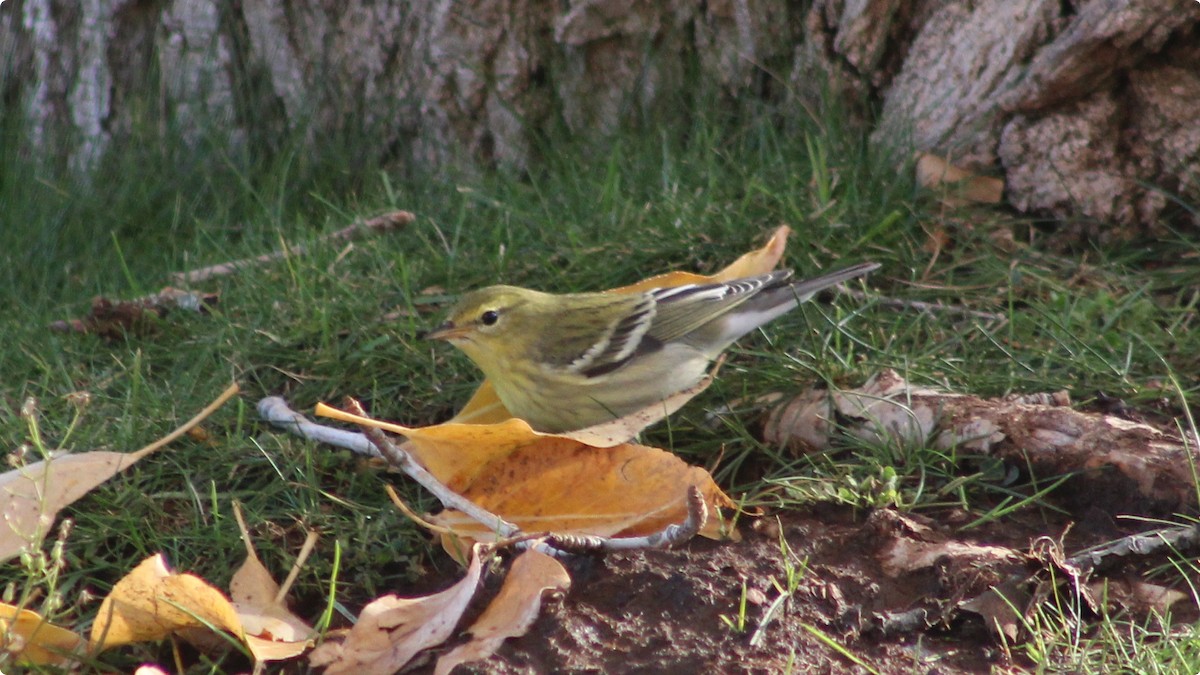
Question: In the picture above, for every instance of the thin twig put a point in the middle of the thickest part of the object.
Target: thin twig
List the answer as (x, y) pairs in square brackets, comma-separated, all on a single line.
[(413, 515), (669, 536), (275, 410), (306, 549), (1181, 538), (378, 224), (449, 498), (929, 307), (894, 623)]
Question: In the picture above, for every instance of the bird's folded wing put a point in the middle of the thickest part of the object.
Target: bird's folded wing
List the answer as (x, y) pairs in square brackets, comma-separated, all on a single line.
[(683, 309)]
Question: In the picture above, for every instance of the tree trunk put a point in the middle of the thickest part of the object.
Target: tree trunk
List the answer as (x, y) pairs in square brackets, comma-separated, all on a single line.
[(1082, 104)]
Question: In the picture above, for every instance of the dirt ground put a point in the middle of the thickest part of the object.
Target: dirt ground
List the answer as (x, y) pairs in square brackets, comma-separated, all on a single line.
[(670, 611)]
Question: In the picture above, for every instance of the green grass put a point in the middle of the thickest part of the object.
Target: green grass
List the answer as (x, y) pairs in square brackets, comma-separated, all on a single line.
[(1117, 321)]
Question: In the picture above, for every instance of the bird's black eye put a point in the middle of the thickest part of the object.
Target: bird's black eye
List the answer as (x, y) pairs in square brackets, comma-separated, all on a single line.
[(490, 317)]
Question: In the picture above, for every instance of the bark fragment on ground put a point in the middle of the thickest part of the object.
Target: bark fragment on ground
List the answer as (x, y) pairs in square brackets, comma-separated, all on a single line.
[(1133, 464)]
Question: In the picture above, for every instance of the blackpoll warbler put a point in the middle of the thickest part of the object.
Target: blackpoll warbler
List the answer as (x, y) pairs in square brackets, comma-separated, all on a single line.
[(565, 362)]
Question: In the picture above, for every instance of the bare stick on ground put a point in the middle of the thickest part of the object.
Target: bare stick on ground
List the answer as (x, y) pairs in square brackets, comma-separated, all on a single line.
[(379, 224), (114, 319), (925, 307)]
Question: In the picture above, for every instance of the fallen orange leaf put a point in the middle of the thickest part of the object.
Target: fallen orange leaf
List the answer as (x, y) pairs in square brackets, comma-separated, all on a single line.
[(590, 481), (546, 482), (35, 641), (512, 611), (153, 602), (563, 486), (758, 261)]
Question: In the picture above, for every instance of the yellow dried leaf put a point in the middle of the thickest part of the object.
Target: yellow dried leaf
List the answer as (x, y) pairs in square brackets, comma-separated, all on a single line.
[(512, 611), (35, 641), (392, 630), (152, 603), (32, 495), (758, 261), (960, 186)]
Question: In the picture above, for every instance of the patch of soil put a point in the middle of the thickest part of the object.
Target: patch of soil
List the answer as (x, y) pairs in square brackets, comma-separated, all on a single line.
[(671, 611)]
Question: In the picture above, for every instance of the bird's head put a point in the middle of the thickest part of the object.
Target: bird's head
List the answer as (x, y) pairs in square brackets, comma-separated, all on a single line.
[(480, 319)]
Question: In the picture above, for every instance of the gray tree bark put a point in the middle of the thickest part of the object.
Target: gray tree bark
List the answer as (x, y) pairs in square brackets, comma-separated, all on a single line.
[(1083, 105)]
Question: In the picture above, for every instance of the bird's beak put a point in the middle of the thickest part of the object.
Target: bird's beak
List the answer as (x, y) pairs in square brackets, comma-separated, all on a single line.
[(446, 331)]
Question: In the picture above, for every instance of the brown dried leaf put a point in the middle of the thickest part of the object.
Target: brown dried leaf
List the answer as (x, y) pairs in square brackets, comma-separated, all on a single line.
[(392, 630), (903, 555), (1002, 607), (958, 187), (513, 610), (271, 631), (114, 319), (35, 641), (1139, 597)]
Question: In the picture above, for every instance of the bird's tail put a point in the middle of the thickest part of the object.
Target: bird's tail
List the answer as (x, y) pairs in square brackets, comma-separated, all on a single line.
[(779, 298), (806, 288)]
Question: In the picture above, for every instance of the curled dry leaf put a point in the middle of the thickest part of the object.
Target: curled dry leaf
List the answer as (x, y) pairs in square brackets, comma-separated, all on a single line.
[(35, 641), (512, 611), (1138, 597), (908, 545), (1003, 608), (758, 261), (958, 186), (272, 632), (392, 630), (153, 602)]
